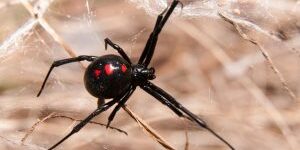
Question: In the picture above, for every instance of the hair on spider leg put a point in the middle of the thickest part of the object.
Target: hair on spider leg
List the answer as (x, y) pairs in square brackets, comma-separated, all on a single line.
[(115, 77)]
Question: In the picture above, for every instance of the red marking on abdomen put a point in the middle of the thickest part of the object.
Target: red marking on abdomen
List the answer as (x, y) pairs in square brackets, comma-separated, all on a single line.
[(123, 68), (108, 69), (97, 72)]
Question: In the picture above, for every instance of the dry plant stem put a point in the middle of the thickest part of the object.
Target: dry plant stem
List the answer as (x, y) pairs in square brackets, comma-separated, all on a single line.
[(91, 122), (148, 129), (248, 84), (72, 53), (34, 126), (53, 116), (49, 29), (275, 69), (186, 146), (265, 54), (22, 32)]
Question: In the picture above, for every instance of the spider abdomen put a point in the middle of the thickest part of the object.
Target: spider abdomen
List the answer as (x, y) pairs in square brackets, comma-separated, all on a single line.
[(107, 76)]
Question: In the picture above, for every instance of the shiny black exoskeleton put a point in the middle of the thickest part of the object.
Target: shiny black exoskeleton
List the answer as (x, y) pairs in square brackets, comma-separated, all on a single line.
[(115, 77), (108, 76)]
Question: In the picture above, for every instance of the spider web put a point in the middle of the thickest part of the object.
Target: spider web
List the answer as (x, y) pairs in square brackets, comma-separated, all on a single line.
[(212, 35)]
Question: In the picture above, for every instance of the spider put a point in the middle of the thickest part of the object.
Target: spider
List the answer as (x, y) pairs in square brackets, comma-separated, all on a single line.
[(114, 77)]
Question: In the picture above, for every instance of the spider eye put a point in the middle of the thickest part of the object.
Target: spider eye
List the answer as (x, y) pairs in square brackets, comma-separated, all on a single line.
[(97, 72)]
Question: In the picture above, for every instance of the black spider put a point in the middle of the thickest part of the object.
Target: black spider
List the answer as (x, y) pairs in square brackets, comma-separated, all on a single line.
[(115, 77)]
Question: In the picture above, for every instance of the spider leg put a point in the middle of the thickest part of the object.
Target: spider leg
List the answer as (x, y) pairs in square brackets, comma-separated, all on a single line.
[(120, 104), (62, 62), (79, 126), (107, 41), (161, 95), (151, 43), (146, 49), (163, 101)]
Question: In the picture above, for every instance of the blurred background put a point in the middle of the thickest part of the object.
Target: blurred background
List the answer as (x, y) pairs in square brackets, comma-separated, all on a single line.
[(234, 63)]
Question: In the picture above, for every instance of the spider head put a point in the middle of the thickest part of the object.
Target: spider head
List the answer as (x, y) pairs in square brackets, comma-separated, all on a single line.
[(140, 73)]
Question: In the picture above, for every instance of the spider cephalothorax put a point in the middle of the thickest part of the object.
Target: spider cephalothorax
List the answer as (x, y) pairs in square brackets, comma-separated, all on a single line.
[(115, 77), (140, 74)]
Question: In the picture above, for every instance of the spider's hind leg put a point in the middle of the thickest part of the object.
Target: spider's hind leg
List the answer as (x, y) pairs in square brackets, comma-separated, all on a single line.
[(161, 95)]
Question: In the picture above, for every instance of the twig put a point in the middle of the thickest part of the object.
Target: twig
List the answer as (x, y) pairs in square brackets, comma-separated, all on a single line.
[(34, 126), (25, 29), (265, 54), (249, 25), (187, 144), (91, 122), (248, 84), (53, 116), (49, 29), (148, 129), (72, 53)]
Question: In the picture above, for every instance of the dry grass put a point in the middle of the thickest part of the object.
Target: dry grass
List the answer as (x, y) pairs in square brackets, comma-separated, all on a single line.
[(247, 91)]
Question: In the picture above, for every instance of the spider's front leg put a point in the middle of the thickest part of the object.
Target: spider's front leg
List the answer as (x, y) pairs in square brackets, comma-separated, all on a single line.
[(107, 41), (148, 51), (62, 62)]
